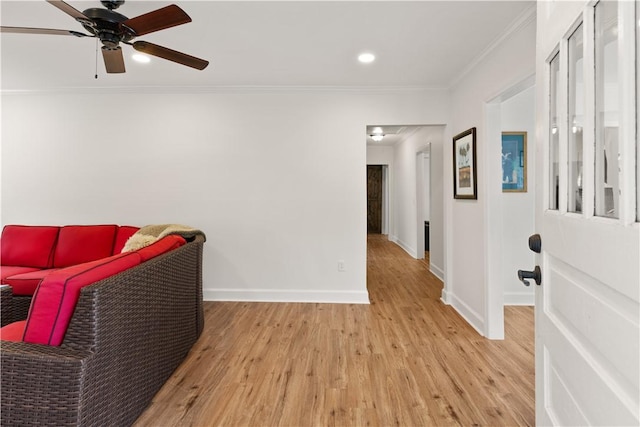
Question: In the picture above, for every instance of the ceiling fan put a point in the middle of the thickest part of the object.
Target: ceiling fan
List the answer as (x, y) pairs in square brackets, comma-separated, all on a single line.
[(112, 28)]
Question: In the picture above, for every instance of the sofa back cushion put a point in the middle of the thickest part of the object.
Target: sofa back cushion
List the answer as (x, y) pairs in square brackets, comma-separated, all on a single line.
[(55, 299), (28, 245), (78, 244), (122, 235), (166, 244)]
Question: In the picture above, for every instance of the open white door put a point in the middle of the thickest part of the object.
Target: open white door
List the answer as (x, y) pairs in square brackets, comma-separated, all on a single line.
[(587, 305)]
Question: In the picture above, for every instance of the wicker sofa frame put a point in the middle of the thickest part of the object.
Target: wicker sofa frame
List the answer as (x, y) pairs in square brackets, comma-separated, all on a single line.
[(128, 334), (13, 307)]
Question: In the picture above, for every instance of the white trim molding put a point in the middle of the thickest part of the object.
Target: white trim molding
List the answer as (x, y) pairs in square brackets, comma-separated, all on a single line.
[(286, 295)]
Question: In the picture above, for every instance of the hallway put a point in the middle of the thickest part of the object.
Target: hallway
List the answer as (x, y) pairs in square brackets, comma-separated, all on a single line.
[(406, 359)]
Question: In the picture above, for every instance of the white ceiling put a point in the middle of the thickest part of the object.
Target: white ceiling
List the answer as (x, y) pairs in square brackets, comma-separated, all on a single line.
[(264, 43)]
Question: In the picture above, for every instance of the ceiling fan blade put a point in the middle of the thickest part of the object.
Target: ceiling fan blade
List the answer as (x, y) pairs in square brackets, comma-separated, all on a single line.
[(46, 31), (113, 59), (69, 10), (166, 17), (171, 55)]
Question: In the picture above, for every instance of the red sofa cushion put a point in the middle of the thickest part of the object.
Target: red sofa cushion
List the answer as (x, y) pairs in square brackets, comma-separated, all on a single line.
[(13, 331), (55, 299), (78, 244), (28, 245), (11, 270), (166, 244), (26, 283), (123, 234)]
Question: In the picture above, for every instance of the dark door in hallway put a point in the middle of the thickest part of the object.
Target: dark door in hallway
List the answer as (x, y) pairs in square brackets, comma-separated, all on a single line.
[(374, 199)]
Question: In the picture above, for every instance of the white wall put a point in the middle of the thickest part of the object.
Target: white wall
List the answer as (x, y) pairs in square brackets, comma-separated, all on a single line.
[(518, 209), (380, 155), (405, 229), (276, 179), (466, 286)]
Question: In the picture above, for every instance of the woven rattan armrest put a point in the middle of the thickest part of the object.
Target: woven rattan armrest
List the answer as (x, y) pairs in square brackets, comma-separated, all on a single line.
[(40, 376), (6, 305)]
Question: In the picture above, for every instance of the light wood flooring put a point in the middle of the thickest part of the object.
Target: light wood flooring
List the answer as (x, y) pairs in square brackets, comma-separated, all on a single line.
[(404, 360)]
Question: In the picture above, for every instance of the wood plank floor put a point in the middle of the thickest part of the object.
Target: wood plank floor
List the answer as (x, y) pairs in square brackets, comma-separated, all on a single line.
[(405, 360)]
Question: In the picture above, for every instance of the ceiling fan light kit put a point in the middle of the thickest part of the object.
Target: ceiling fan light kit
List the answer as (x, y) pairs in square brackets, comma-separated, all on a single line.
[(113, 28)]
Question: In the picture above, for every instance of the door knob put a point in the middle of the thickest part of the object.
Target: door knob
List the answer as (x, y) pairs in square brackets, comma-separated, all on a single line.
[(536, 275), (535, 243)]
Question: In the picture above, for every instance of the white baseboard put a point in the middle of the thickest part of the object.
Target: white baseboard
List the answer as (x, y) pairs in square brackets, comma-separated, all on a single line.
[(519, 298), (444, 297), (282, 295), (406, 248), (472, 318), (437, 271)]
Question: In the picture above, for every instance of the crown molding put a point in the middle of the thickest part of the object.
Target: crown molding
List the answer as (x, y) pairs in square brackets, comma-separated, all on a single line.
[(220, 90)]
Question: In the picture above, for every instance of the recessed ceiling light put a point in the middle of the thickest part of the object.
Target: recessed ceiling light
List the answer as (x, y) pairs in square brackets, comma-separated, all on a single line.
[(144, 59), (366, 58)]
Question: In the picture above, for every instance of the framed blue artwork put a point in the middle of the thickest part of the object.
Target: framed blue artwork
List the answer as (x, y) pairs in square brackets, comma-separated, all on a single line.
[(514, 162)]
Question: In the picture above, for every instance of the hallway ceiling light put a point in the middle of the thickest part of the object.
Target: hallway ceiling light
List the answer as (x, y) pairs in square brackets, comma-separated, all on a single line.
[(377, 134), (366, 58)]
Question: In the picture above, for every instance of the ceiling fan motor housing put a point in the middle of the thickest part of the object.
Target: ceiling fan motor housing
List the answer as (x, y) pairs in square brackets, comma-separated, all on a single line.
[(107, 26), (112, 4)]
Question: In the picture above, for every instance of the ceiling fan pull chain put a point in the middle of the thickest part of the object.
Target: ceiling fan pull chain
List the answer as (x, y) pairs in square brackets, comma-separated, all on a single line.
[(97, 44)]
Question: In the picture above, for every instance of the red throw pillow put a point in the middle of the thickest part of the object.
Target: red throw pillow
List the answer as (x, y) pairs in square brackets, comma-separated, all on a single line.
[(78, 244), (28, 245)]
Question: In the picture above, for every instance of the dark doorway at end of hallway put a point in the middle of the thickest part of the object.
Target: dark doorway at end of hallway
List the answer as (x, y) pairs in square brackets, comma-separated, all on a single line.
[(374, 199)]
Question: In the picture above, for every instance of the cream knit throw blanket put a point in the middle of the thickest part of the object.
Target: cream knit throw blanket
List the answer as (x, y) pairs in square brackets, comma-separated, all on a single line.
[(152, 233)]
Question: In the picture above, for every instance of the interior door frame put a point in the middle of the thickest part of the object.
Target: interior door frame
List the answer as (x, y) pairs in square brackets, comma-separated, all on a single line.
[(494, 291), (420, 194)]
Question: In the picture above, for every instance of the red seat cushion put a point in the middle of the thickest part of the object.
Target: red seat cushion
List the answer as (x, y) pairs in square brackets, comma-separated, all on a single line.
[(28, 245), (166, 244), (78, 244), (123, 234), (11, 270), (55, 299), (26, 283), (13, 331)]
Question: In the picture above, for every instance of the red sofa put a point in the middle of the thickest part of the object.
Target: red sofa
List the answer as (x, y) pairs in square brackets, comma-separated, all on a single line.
[(102, 326), (30, 253)]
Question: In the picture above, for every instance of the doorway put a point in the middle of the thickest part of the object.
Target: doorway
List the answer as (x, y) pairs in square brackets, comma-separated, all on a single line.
[(374, 199), (510, 215), (423, 200)]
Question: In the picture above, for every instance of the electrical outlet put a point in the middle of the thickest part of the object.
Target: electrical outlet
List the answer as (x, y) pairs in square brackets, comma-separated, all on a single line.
[(341, 266)]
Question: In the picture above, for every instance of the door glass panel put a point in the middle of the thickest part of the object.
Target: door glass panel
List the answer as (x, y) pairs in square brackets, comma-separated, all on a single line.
[(576, 121), (607, 188), (554, 136)]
